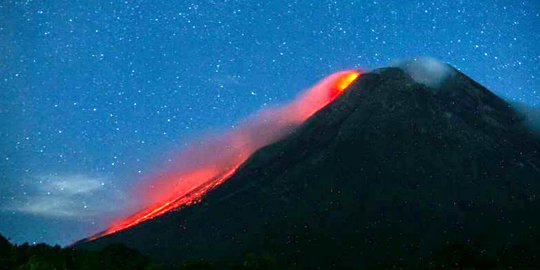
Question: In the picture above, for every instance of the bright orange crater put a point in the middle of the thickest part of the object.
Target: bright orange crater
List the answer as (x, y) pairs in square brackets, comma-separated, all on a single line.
[(346, 80)]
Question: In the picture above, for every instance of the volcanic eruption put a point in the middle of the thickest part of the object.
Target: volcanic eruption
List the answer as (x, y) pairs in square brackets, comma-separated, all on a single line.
[(394, 173), (213, 159)]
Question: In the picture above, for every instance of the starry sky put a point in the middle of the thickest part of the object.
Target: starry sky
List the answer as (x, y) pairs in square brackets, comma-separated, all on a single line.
[(95, 95)]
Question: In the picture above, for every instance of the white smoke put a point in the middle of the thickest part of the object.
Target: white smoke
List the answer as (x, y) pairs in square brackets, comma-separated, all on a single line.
[(426, 70)]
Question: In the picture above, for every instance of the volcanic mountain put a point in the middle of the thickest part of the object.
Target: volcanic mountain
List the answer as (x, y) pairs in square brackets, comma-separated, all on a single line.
[(394, 172)]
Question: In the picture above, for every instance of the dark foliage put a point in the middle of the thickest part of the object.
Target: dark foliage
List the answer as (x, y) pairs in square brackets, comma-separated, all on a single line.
[(112, 257), (45, 257)]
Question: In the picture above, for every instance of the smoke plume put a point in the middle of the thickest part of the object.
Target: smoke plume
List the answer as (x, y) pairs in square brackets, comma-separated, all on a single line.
[(212, 159), (426, 70)]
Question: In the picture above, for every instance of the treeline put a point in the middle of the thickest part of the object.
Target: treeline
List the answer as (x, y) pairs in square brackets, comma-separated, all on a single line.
[(112, 257), (42, 256), (120, 257)]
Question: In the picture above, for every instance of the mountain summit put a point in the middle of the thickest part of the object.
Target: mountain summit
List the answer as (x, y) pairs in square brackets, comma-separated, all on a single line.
[(394, 172)]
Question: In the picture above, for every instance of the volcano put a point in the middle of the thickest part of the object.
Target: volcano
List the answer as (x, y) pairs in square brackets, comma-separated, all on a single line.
[(394, 172)]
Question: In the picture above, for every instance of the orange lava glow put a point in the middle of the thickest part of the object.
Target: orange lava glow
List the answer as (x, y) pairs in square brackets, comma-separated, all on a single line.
[(210, 162), (344, 81), (190, 197)]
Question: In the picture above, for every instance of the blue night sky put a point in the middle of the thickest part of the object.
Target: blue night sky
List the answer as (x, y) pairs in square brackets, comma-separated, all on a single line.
[(95, 95)]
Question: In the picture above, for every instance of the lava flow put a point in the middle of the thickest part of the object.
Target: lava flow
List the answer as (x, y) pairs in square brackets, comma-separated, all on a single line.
[(213, 159)]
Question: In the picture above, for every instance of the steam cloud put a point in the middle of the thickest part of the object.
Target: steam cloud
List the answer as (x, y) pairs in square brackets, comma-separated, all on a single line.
[(426, 70)]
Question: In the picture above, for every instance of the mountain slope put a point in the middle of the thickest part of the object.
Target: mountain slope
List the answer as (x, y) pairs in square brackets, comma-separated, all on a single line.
[(391, 173)]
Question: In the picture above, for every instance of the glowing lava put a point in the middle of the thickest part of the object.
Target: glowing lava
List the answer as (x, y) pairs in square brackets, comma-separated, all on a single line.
[(190, 197), (344, 81), (212, 160)]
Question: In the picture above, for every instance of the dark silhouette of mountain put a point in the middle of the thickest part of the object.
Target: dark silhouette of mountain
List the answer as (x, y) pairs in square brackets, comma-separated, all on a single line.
[(392, 173)]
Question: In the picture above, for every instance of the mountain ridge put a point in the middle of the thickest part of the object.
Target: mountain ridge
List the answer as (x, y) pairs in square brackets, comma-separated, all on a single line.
[(390, 173)]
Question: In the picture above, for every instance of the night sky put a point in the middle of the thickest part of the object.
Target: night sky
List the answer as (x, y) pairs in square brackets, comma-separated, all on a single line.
[(96, 95)]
